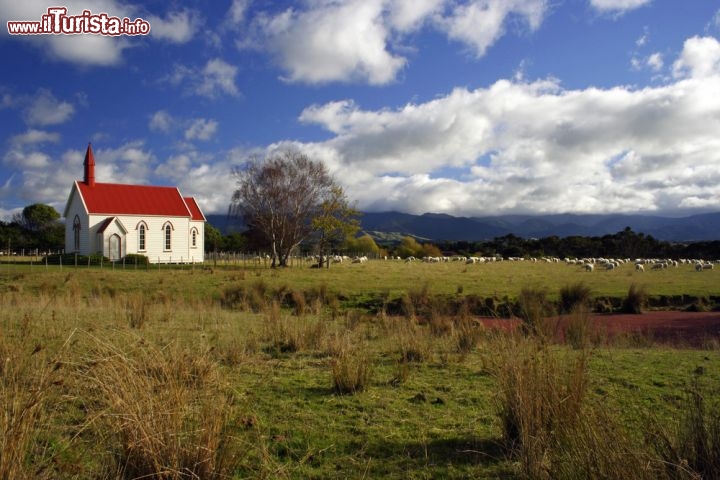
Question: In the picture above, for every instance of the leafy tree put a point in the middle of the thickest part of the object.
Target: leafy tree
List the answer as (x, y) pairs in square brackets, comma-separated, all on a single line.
[(364, 244), (430, 250), (37, 217), (284, 197), (213, 238), (409, 247), (335, 222), (38, 226)]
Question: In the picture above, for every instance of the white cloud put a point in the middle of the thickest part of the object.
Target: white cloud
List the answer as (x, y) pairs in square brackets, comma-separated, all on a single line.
[(408, 15), (45, 109), (177, 27), (481, 23), (360, 40), (618, 6), (206, 177), (700, 58), (161, 121), (332, 42), (201, 129), (218, 75), (532, 147), (655, 62), (34, 136), (215, 78), (236, 13)]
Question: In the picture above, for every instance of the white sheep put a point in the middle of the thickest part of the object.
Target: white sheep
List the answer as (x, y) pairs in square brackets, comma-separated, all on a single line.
[(589, 267)]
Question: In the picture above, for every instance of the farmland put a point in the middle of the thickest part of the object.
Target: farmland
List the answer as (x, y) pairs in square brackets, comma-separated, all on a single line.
[(357, 371)]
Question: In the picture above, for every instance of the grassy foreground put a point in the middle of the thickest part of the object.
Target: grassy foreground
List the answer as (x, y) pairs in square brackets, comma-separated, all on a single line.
[(278, 374)]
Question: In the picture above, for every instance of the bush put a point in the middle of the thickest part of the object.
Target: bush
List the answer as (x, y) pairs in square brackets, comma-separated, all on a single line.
[(573, 296), (635, 301), (136, 259), (71, 259)]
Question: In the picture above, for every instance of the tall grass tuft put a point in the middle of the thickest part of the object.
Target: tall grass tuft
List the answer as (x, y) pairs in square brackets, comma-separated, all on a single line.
[(578, 328), (534, 309), (599, 447), (136, 310), (540, 397), (691, 447), (467, 335), (635, 301), (351, 366), (574, 296), (27, 378), (165, 413)]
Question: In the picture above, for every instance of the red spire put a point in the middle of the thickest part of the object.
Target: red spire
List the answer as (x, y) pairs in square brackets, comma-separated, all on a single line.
[(89, 165)]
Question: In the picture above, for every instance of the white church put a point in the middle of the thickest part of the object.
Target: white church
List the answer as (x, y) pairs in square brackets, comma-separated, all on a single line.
[(116, 220)]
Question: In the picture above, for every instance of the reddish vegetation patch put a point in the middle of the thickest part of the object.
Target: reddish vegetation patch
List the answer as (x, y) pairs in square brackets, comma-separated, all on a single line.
[(677, 328), (692, 329)]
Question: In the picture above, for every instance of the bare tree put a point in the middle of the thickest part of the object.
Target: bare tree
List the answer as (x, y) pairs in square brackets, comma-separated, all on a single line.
[(282, 196)]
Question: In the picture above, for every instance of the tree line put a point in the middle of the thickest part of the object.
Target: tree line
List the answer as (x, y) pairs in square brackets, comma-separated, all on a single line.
[(37, 227), (623, 244)]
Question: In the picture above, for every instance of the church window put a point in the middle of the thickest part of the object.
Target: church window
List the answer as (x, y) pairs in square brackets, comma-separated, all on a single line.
[(76, 233), (141, 237)]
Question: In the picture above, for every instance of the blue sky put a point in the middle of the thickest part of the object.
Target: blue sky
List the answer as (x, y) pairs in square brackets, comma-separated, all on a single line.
[(472, 107)]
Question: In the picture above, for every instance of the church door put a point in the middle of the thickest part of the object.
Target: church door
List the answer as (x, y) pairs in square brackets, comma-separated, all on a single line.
[(115, 247)]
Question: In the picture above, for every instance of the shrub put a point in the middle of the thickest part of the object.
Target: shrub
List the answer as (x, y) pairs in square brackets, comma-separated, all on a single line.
[(635, 301), (573, 296), (136, 259)]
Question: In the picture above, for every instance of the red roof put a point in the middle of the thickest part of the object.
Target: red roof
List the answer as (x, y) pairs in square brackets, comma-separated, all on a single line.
[(117, 199), (194, 209)]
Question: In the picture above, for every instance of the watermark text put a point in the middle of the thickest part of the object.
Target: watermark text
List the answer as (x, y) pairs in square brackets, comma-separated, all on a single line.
[(57, 22)]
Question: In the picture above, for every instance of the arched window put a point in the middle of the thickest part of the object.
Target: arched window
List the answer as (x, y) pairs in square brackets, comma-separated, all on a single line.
[(193, 238), (76, 233), (167, 229), (141, 237)]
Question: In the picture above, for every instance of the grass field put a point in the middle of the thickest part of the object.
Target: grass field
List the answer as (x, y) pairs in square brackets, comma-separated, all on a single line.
[(257, 373)]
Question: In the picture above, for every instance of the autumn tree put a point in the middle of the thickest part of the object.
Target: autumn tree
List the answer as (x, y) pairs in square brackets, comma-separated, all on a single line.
[(364, 244), (334, 222), (288, 198)]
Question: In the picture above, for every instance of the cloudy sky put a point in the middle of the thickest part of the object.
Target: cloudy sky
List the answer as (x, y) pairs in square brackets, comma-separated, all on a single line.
[(467, 107)]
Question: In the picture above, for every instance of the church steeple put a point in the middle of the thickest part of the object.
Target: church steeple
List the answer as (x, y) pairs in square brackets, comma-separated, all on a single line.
[(89, 165)]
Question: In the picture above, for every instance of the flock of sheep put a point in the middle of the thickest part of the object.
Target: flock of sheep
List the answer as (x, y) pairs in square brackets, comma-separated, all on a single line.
[(587, 264)]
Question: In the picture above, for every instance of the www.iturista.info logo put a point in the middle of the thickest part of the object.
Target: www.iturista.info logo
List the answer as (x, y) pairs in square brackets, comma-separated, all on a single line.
[(57, 22)]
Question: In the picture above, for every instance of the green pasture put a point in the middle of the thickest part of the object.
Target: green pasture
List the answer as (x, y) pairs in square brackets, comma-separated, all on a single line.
[(428, 408), (389, 278)]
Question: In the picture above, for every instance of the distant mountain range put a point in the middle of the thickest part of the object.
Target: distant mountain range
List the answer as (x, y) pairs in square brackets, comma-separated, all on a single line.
[(437, 227)]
